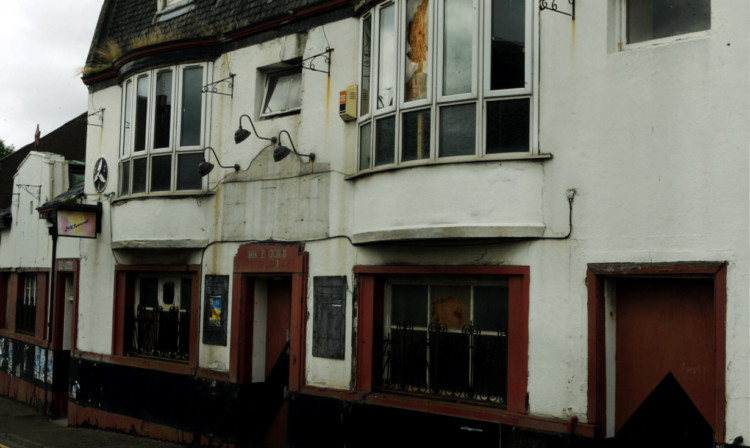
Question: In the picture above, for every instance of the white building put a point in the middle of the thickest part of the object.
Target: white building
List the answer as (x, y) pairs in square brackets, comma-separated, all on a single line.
[(535, 228)]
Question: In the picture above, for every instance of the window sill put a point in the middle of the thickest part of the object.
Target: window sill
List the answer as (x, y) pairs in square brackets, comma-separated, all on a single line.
[(176, 195), (462, 410), (24, 337), (698, 35), (452, 161)]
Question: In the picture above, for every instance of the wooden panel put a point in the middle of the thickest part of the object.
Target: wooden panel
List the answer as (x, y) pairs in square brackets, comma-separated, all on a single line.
[(663, 326), (329, 316)]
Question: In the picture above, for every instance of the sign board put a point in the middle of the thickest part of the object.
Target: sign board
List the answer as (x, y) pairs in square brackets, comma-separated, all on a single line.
[(77, 224), (215, 304), (329, 318)]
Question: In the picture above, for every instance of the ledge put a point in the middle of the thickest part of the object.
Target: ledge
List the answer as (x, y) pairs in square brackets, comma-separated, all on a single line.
[(449, 232), (511, 157), (160, 244)]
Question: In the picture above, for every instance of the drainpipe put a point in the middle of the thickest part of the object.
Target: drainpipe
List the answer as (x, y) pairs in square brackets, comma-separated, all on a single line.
[(53, 233)]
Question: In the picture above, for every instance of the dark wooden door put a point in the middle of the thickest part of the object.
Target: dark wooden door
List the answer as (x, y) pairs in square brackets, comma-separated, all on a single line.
[(665, 361), (278, 324)]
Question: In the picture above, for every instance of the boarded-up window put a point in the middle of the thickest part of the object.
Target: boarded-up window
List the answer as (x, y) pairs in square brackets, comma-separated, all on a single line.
[(329, 317)]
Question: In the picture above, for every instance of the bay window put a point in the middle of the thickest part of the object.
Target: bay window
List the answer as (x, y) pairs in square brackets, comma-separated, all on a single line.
[(444, 79), (162, 130)]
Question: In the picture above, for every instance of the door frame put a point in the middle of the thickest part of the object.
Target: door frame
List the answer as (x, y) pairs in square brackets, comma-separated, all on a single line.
[(597, 275), (257, 259)]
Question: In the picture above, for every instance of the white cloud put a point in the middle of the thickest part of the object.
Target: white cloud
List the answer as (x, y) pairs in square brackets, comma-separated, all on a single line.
[(43, 45)]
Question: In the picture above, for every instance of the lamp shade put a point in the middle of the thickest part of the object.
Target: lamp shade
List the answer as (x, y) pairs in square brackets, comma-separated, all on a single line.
[(280, 152), (205, 168), (241, 135)]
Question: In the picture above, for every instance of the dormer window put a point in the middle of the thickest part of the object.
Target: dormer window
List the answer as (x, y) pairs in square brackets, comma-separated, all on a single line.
[(169, 9)]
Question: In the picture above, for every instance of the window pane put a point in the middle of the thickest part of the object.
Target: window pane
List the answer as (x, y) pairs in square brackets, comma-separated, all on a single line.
[(366, 62), (188, 177), (139, 175), (125, 178), (409, 304), (186, 292), (457, 130), (365, 149), (416, 135), (508, 126), (508, 44), (385, 141), (126, 121), (163, 111), (283, 92), (417, 67), (655, 19), (161, 173), (190, 126), (386, 56), (148, 291), (457, 46), (141, 112), (491, 308), (450, 305)]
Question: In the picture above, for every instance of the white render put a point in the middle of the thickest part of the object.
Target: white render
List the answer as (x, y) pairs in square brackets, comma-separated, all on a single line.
[(651, 140)]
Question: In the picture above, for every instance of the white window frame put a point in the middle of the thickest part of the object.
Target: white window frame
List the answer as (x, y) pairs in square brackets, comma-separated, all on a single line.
[(129, 155), (622, 24), (268, 76), (480, 94)]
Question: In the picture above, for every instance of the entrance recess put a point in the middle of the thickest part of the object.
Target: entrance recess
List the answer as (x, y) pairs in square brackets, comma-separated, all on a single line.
[(657, 352)]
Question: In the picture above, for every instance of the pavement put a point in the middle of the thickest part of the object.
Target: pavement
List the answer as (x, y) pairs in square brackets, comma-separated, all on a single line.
[(22, 426)]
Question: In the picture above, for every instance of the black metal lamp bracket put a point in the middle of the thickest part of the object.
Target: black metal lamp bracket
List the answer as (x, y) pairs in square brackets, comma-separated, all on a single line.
[(552, 6)]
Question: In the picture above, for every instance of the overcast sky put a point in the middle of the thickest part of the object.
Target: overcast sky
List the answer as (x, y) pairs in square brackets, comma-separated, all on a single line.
[(43, 47)]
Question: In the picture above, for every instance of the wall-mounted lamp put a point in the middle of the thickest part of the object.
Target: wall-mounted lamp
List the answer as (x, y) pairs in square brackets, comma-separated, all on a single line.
[(205, 167), (281, 151), (242, 134)]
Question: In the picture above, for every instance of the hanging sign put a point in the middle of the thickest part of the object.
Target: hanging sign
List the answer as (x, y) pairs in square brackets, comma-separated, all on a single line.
[(77, 224)]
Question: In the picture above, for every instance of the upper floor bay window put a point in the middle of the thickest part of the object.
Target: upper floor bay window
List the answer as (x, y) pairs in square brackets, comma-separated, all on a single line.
[(162, 130), (444, 79)]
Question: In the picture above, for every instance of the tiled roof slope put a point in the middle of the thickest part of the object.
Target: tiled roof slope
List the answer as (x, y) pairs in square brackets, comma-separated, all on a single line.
[(122, 20), (69, 140)]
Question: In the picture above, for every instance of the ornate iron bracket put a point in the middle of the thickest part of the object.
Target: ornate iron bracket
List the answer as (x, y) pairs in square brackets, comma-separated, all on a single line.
[(213, 87), (326, 55), (99, 113), (27, 188), (552, 6)]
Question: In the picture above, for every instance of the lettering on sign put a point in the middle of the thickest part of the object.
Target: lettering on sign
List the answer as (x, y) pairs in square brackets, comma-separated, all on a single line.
[(264, 254)]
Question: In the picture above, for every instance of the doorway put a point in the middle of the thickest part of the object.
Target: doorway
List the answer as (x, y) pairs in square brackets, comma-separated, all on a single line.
[(664, 362)]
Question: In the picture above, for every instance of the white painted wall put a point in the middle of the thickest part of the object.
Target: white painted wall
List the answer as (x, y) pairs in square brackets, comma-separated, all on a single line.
[(654, 140)]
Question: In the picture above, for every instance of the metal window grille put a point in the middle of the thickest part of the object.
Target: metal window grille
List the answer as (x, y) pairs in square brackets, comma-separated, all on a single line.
[(26, 306), (162, 332)]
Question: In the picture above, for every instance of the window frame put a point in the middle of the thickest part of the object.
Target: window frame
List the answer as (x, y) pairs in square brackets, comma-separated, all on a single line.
[(622, 22), (125, 299), (372, 290), (131, 128), (278, 73), (12, 283), (435, 102)]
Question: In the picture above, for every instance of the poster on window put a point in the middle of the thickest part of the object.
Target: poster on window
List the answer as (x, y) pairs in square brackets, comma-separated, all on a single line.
[(215, 309)]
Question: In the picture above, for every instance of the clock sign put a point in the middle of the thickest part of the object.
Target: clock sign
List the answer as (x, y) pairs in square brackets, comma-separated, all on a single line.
[(100, 174)]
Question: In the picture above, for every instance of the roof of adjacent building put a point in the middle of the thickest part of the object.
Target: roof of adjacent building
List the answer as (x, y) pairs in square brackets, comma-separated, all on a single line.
[(128, 29), (69, 140)]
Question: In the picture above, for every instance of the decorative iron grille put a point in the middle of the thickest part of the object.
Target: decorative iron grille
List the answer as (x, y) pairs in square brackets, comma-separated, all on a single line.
[(466, 365), (160, 332), (25, 317)]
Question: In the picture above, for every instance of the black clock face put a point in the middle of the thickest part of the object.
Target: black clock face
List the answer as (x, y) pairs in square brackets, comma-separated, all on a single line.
[(100, 174)]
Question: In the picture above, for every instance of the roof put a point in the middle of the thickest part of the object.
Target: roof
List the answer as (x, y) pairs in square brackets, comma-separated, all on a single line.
[(127, 28), (69, 140)]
